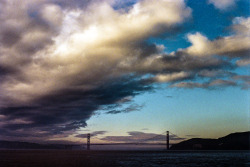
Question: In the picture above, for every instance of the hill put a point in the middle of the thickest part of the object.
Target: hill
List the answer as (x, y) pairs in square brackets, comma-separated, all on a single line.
[(234, 141), (27, 145)]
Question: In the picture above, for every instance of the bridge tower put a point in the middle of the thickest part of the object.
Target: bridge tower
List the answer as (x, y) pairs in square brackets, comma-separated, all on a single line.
[(88, 141), (167, 140)]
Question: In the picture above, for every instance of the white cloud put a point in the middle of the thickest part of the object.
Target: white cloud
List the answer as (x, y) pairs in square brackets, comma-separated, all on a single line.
[(222, 4), (172, 77), (200, 44), (243, 62), (52, 14), (236, 45), (81, 48), (241, 25)]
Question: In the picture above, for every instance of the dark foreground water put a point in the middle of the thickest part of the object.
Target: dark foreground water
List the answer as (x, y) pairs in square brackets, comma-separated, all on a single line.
[(64, 158)]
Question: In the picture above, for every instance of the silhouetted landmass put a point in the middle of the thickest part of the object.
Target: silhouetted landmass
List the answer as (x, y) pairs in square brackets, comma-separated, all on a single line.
[(27, 145), (234, 141)]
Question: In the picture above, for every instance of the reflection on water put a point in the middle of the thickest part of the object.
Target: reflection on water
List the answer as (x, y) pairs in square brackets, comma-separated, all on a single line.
[(179, 159), (129, 147), (80, 158)]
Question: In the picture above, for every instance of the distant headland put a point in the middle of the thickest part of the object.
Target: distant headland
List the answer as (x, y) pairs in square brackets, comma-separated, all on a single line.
[(233, 141)]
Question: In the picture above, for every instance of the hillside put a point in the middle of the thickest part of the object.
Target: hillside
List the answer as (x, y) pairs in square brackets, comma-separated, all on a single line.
[(27, 145), (234, 141)]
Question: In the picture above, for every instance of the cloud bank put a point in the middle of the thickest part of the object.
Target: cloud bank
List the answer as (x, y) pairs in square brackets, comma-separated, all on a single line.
[(55, 72)]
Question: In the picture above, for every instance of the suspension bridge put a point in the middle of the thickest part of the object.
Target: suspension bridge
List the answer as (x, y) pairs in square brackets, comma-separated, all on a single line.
[(158, 137)]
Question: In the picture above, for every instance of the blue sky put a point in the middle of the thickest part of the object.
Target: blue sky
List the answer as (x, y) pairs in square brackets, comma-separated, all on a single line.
[(116, 69), (202, 112)]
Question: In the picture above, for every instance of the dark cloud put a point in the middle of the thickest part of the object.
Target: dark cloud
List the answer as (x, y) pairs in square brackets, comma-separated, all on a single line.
[(192, 135), (215, 73), (131, 108), (55, 72), (70, 109), (75, 4), (25, 33), (92, 134), (5, 70), (244, 80), (213, 84), (180, 62), (10, 37), (141, 137)]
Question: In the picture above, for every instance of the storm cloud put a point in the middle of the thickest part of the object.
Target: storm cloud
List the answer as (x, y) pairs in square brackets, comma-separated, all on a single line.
[(57, 71)]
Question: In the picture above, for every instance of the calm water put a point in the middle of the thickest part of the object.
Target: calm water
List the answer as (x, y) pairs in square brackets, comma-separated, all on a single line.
[(133, 147), (60, 158)]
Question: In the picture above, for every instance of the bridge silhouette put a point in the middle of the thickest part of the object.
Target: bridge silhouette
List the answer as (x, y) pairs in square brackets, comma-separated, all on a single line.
[(139, 141)]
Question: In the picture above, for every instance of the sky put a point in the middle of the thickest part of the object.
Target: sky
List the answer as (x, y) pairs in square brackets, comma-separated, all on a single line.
[(123, 71)]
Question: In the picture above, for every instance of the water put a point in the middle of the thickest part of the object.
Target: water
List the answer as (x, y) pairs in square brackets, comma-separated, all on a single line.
[(63, 158), (129, 147)]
